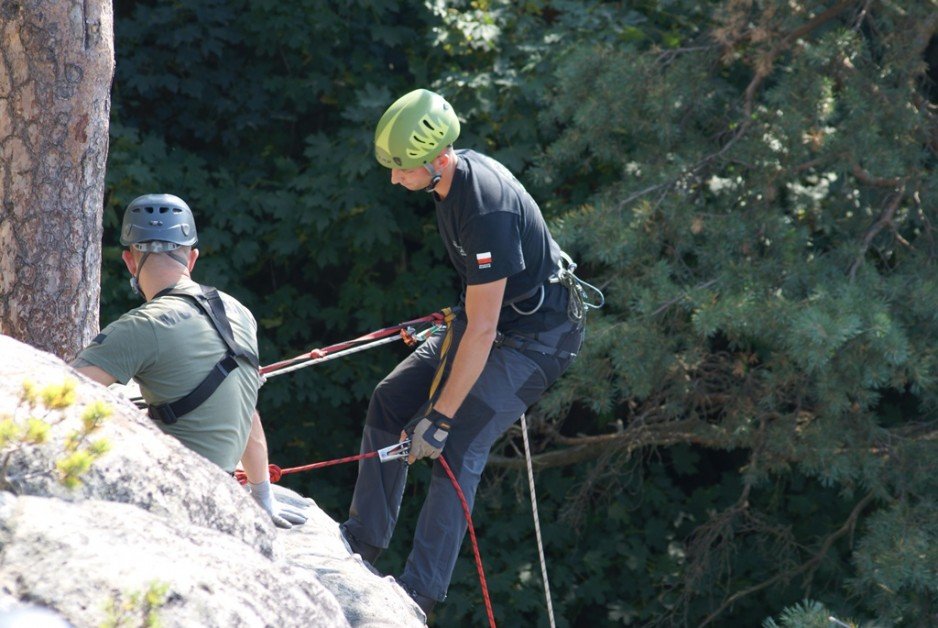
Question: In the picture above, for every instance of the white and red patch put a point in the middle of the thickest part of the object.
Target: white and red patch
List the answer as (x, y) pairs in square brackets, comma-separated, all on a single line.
[(484, 260)]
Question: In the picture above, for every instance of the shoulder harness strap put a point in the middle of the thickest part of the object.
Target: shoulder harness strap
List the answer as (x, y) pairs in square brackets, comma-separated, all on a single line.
[(209, 301)]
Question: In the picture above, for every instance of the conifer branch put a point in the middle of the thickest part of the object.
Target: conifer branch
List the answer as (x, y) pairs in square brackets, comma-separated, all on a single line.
[(867, 179), (808, 566), (637, 436), (766, 63), (884, 219), (677, 299)]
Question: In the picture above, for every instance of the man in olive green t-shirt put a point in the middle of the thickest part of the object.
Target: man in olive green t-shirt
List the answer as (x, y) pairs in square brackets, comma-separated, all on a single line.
[(168, 346), (174, 348)]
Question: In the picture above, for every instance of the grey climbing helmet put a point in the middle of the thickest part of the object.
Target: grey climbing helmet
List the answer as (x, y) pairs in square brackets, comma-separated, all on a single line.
[(158, 222)]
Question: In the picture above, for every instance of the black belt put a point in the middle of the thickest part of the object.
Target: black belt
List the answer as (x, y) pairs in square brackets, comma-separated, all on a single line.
[(524, 343)]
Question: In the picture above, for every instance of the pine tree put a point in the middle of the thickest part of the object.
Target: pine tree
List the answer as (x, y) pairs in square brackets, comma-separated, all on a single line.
[(763, 209)]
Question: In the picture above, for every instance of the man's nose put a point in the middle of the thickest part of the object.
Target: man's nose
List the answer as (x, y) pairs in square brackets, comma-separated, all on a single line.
[(395, 176)]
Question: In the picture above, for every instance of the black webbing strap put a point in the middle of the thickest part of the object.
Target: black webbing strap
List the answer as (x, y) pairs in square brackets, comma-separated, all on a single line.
[(209, 301), (169, 413), (524, 343), (216, 312)]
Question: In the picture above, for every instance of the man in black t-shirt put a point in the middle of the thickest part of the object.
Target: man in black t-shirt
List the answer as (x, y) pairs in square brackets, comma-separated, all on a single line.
[(513, 338)]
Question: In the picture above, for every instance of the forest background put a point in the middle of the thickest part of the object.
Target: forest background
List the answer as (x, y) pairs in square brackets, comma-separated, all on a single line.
[(750, 430)]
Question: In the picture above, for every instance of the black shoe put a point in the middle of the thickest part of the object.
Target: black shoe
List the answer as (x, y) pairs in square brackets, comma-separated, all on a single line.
[(425, 603), (369, 553)]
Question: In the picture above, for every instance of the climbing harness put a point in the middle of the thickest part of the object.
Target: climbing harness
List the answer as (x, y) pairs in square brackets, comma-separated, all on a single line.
[(565, 275), (526, 343), (208, 300)]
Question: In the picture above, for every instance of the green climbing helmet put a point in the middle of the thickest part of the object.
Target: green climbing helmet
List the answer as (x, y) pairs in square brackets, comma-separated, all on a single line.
[(414, 130)]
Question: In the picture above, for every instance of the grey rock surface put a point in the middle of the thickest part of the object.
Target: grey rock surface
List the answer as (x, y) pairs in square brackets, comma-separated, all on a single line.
[(152, 511)]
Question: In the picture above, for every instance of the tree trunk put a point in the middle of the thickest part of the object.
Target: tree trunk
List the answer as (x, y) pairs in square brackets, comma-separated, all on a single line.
[(56, 65)]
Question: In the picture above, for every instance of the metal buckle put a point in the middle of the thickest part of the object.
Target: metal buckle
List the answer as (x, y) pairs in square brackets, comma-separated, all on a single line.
[(162, 413), (395, 452)]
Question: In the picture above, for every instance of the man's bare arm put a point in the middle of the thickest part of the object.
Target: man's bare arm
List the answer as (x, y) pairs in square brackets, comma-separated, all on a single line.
[(254, 459), (483, 306), (97, 374)]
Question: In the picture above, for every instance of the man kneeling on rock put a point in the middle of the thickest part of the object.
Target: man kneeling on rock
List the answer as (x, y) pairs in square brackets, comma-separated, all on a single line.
[(191, 348)]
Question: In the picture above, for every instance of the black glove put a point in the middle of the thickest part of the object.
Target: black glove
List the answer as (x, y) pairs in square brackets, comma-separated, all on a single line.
[(428, 436)]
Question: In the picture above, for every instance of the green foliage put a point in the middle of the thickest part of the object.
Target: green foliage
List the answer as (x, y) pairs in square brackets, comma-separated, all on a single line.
[(896, 561), (137, 608), (45, 411), (756, 206), (807, 614)]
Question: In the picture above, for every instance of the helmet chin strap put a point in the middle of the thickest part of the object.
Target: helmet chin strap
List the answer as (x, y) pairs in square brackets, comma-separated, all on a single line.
[(135, 283), (435, 176)]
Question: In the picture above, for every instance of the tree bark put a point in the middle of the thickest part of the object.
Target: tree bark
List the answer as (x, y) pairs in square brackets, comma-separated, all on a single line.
[(56, 66)]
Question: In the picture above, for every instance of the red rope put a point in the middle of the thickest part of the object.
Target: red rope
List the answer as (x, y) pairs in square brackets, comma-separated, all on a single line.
[(475, 543), (276, 473)]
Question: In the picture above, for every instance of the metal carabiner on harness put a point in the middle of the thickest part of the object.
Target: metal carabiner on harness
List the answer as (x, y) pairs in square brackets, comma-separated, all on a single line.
[(579, 303)]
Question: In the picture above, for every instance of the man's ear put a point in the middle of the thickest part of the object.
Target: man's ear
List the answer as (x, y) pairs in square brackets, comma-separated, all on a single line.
[(193, 255), (129, 262), (441, 161)]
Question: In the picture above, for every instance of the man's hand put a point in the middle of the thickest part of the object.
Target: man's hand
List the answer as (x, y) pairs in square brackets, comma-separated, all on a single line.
[(281, 516), (429, 436)]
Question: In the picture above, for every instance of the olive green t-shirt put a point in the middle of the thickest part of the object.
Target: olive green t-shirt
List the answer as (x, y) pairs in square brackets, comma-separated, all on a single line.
[(168, 345)]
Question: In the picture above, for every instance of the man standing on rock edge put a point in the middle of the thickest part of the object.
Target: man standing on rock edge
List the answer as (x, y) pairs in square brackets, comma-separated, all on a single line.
[(520, 327), (191, 348)]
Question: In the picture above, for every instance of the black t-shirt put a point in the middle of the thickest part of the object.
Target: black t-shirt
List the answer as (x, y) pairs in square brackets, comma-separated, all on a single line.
[(493, 229)]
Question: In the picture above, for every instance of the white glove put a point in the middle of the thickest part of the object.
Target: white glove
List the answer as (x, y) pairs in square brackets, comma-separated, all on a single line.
[(282, 517)]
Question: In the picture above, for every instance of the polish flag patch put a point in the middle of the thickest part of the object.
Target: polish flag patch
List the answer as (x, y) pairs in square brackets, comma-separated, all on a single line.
[(484, 260)]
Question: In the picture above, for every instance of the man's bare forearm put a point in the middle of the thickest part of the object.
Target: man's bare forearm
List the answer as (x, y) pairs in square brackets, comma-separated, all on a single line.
[(254, 458)]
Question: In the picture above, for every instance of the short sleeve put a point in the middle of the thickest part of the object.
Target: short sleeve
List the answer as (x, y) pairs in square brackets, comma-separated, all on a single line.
[(493, 247), (123, 349)]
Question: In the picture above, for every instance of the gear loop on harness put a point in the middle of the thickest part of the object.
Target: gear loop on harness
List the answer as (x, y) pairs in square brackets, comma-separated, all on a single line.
[(542, 290), (565, 275)]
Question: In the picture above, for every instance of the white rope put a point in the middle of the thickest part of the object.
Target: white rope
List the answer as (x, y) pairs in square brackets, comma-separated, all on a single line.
[(331, 356), (537, 521), (422, 336)]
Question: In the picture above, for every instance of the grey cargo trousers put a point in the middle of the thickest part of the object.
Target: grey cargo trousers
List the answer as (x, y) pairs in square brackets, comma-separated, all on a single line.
[(510, 382)]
